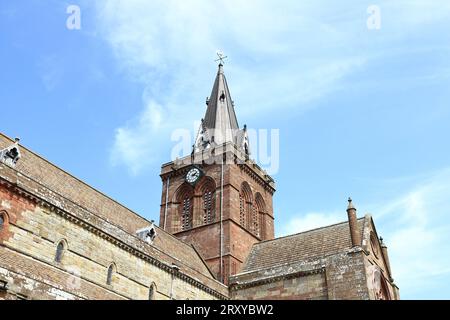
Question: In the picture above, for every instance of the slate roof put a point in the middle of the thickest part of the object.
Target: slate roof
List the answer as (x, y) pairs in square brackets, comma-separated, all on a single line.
[(304, 246)]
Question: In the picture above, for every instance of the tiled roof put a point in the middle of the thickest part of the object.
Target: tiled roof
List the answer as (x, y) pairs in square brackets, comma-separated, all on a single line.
[(299, 247), (220, 112)]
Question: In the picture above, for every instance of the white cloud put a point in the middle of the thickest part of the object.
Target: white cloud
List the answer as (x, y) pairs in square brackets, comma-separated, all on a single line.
[(134, 143), (281, 54), (51, 70), (311, 221), (418, 234), (165, 45)]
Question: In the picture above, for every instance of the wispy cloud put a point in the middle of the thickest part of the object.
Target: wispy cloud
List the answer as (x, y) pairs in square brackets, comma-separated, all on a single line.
[(169, 45), (134, 142), (415, 227), (311, 220), (282, 55), (51, 69)]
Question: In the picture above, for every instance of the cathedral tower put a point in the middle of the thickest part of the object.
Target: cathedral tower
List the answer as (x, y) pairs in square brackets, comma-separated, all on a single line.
[(217, 198)]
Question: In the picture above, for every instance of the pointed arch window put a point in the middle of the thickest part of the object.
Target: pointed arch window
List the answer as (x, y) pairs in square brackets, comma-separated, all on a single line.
[(60, 249), (241, 210), (109, 276), (261, 210), (246, 206), (185, 199), (186, 214), (205, 199), (209, 204), (2, 220), (152, 291)]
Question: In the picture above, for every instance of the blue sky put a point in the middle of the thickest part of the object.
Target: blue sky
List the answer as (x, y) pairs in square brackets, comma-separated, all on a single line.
[(361, 112)]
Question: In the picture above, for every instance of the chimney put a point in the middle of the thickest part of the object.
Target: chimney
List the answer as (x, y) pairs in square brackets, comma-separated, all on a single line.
[(353, 224), (386, 258)]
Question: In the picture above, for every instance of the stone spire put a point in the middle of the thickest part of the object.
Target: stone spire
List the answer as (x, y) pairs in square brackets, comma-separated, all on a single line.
[(220, 123)]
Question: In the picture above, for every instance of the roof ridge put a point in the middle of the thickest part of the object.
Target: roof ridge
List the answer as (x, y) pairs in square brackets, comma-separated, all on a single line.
[(302, 232), (76, 178)]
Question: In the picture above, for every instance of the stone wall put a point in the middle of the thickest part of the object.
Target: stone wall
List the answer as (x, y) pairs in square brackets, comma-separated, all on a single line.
[(307, 287)]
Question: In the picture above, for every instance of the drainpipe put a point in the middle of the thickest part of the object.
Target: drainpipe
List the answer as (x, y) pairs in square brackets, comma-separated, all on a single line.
[(221, 225)]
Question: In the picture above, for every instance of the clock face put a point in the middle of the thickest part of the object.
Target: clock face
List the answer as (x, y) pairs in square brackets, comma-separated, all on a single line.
[(193, 175)]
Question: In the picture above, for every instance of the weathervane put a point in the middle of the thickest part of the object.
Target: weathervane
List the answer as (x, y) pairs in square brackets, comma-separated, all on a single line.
[(221, 56)]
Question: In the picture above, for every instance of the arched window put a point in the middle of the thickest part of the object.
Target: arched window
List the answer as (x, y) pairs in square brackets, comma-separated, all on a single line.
[(206, 189), (261, 211), (186, 215), (2, 220), (60, 248), (185, 206), (152, 291), (246, 206), (208, 206), (384, 292), (110, 274)]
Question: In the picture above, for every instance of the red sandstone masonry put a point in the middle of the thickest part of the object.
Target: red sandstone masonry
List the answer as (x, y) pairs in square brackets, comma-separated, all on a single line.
[(237, 241)]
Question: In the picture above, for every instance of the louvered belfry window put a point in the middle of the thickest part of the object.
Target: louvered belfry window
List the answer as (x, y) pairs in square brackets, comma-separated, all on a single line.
[(241, 210), (255, 222), (208, 207), (186, 215)]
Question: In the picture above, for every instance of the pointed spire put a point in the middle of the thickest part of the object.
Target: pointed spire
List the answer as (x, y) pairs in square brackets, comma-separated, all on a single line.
[(220, 124), (220, 113)]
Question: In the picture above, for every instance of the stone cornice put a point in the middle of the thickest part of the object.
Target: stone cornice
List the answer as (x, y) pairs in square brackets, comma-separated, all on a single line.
[(232, 155), (249, 169), (235, 284)]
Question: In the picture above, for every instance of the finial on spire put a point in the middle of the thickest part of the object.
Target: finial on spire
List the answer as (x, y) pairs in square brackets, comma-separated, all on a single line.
[(221, 56)]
